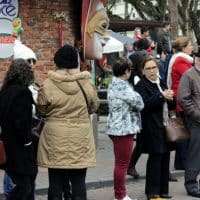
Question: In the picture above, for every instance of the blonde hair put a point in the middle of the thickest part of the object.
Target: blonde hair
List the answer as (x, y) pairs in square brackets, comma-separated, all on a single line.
[(181, 42)]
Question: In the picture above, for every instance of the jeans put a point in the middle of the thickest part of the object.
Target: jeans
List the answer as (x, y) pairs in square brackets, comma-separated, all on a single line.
[(7, 184), (123, 146), (24, 187)]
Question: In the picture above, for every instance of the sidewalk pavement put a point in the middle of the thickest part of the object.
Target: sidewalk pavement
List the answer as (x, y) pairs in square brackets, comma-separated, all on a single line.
[(135, 190), (98, 177)]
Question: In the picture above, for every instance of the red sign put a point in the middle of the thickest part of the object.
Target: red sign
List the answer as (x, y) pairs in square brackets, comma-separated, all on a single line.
[(7, 39)]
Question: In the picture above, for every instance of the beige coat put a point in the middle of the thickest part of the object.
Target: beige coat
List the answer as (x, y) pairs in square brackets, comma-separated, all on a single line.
[(67, 139)]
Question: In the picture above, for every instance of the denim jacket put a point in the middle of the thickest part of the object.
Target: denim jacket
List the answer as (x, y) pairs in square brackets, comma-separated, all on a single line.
[(124, 108)]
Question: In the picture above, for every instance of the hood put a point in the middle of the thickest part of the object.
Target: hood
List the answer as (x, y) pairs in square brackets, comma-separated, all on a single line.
[(184, 56), (22, 51), (67, 82)]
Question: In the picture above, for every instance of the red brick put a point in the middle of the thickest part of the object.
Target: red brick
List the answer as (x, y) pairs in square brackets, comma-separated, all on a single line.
[(41, 31)]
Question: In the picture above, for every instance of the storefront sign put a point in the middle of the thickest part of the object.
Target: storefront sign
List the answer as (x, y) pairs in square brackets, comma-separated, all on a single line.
[(8, 11)]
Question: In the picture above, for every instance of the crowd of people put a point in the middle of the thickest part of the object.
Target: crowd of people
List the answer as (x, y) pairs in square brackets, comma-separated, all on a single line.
[(66, 146), (144, 92), (168, 85)]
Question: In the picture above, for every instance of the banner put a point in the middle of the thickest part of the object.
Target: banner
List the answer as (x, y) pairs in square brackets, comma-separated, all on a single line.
[(8, 9), (8, 12)]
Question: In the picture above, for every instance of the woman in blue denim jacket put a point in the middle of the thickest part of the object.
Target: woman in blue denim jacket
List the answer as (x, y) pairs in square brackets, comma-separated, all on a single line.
[(123, 122)]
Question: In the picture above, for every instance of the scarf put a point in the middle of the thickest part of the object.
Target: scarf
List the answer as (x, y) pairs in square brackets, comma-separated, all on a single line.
[(165, 107)]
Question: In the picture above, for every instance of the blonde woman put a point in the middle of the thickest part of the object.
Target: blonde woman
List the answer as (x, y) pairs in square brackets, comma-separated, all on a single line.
[(180, 62)]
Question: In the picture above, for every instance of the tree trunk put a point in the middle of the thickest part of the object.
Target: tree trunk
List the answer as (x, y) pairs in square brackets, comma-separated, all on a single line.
[(173, 14), (195, 20)]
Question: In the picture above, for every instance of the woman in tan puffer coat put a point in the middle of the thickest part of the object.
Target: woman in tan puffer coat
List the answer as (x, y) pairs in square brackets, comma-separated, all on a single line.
[(66, 145)]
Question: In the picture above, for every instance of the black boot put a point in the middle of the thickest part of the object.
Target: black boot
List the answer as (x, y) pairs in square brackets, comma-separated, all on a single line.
[(132, 172), (191, 183)]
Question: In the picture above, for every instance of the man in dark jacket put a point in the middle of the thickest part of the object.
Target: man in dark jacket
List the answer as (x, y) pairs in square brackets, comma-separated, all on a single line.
[(189, 99), (164, 41)]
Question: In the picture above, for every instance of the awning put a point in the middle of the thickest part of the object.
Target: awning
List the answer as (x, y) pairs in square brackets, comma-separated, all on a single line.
[(113, 45), (122, 38), (122, 25)]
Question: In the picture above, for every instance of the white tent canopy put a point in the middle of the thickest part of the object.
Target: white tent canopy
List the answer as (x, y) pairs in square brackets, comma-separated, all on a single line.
[(113, 45)]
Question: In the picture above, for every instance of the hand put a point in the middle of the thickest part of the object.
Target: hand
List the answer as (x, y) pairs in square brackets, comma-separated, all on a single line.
[(168, 94)]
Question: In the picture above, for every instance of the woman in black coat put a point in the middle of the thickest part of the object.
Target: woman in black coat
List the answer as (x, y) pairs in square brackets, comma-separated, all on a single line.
[(154, 116), (16, 120), (137, 59)]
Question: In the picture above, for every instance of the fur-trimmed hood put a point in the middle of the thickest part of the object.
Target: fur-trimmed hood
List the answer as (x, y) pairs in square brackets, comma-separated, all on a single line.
[(67, 82), (185, 57)]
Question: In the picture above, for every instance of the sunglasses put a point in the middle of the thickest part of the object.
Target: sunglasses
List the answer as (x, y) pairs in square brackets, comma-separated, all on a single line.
[(31, 61)]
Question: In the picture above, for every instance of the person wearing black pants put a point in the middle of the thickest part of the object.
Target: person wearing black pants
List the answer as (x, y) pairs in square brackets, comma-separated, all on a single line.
[(189, 99), (137, 59), (24, 189), (66, 146), (67, 193), (57, 181), (154, 118), (16, 119), (137, 152), (157, 179)]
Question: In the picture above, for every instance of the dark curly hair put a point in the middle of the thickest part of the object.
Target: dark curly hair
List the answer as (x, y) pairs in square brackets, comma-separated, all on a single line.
[(120, 66), (19, 73)]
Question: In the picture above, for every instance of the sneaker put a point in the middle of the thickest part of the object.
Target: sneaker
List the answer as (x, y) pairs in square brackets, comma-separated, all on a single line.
[(127, 198), (158, 198)]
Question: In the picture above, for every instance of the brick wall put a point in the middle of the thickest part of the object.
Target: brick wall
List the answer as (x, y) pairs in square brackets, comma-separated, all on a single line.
[(41, 31)]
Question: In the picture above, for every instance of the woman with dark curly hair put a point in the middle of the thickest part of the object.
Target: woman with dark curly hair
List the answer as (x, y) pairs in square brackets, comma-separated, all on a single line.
[(16, 119)]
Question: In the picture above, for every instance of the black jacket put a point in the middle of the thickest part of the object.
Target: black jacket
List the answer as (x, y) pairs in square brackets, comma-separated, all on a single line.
[(164, 43), (153, 130), (16, 120)]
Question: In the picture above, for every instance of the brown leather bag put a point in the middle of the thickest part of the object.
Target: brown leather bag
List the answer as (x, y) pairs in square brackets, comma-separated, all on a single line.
[(2, 153), (176, 130)]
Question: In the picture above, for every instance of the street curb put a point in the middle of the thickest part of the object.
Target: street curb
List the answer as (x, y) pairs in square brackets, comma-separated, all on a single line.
[(101, 184), (107, 183)]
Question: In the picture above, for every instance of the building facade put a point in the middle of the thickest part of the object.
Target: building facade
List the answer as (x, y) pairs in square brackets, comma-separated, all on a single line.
[(46, 24)]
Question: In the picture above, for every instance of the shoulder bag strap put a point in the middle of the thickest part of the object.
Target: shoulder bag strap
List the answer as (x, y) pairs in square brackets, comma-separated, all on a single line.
[(83, 92)]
